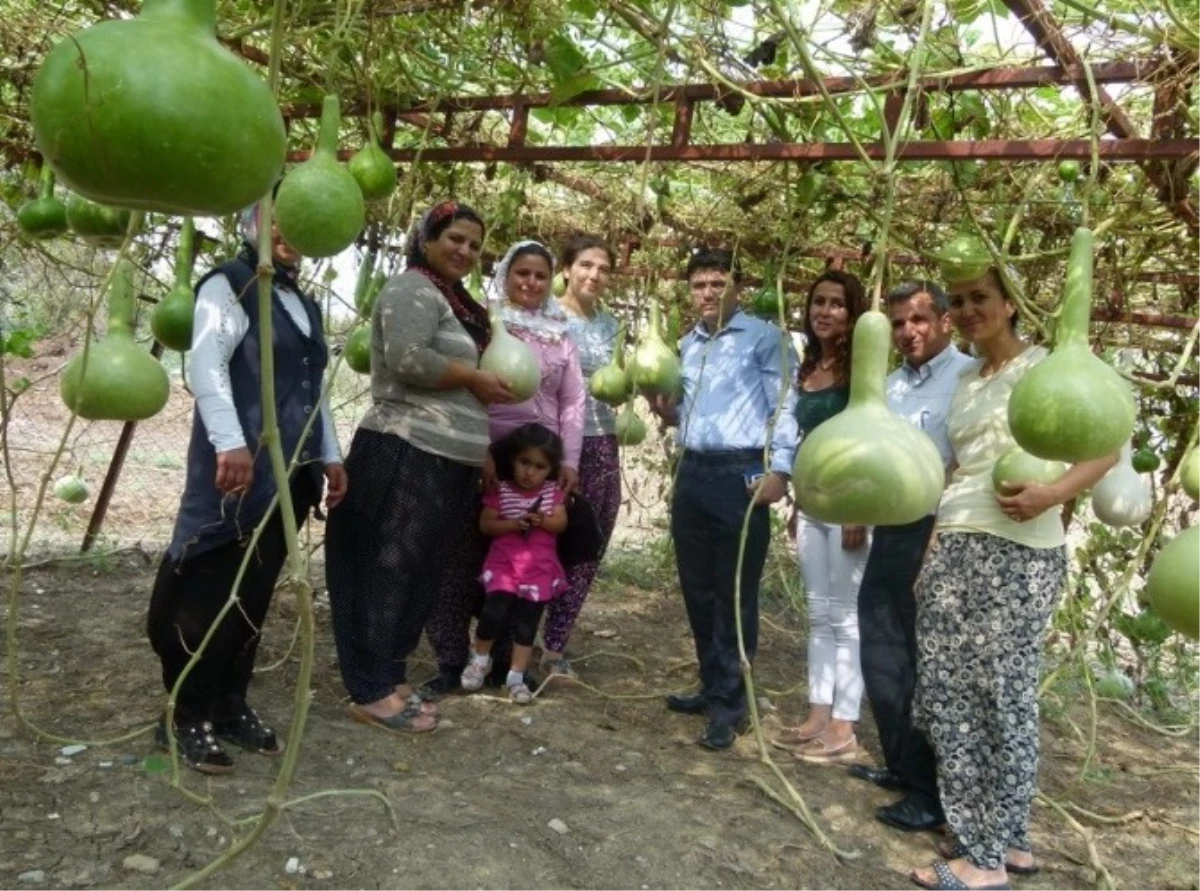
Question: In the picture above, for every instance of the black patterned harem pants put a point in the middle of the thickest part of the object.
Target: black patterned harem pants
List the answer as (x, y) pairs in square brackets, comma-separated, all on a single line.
[(983, 603)]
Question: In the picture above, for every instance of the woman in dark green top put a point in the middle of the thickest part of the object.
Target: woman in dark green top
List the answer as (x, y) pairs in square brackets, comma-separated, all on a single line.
[(831, 557)]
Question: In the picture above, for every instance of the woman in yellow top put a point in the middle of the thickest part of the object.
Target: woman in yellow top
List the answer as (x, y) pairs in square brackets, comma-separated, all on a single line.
[(984, 598)]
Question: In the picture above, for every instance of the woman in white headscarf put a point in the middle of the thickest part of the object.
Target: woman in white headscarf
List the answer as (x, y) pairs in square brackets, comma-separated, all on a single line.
[(520, 292)]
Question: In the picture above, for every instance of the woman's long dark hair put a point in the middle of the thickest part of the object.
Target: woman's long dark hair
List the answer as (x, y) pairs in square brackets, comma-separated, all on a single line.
[(856, 304), (527, 436)]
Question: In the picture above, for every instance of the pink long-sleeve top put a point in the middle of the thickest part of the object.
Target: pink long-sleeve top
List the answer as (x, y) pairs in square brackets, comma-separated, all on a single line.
[(558, 404)]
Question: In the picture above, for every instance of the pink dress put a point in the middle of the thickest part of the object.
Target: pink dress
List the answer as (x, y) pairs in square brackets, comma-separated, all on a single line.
[(524, 563)]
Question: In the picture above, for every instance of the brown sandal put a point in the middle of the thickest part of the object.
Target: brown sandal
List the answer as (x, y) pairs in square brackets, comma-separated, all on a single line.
[(818, 751), (790, 738)]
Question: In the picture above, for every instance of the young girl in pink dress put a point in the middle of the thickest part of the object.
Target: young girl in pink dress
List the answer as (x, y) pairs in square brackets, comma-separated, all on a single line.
[(523, 516)]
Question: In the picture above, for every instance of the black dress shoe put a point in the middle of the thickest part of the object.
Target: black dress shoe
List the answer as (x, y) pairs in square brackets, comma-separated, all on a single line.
[(880, 776), (912, 813), (695, 704)]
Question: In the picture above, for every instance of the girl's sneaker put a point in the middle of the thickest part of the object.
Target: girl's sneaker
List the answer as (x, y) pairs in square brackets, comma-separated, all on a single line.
[(520, 693), (473, 674)]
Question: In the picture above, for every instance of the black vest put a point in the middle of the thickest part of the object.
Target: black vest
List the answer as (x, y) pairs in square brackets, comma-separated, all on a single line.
[(207, 519)]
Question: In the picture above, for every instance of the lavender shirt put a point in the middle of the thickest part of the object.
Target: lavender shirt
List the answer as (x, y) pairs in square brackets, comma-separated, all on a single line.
[(558, 404)]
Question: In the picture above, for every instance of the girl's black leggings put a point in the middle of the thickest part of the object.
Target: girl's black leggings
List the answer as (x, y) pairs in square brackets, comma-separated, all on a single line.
[(501, 608)]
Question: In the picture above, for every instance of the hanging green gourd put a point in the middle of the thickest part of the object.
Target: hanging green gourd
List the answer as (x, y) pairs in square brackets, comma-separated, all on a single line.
[(45, 216), (364, 300), (152, 113), (96, 224), (1123, 496), (372, 167), (114, 379), (654, 367), (865, 466), (631, 430), (1189, 473), (358, 349), (1173, 585), (511, 360), (768, 302), (319, 206), (71, 489), (608, 383), (1071, 406), (174, 316), (1018, 466), (963, 258)]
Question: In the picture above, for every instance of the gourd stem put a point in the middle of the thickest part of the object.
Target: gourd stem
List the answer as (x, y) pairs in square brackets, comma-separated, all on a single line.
[(375, 128), (869, 359), (184, 252), (202, 13), (331, 119), (655, 332), (120, 298), (619, 349), (47, 181), (1077, 291)]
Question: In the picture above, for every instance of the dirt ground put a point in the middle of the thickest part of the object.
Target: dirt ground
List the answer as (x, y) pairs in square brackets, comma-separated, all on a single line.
[(641, 805)]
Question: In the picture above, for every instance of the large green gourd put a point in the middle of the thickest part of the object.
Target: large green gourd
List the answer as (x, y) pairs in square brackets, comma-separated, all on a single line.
[(45, 216), (96, 224), (175, 314), (1071, 406), (116, 380), (609, 384), (865, 466), (319, 207), (358, 349), (371, 167), (153, 113), (1173, 585), (654, 367)]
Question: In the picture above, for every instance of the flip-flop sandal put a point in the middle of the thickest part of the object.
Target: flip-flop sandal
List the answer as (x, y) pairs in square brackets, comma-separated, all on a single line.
[(425, 704), (956, 850), (948, 881), (402, 722)]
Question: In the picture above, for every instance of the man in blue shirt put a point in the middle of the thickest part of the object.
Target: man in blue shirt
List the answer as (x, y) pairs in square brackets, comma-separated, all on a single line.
[(919, 391), (737, 430)]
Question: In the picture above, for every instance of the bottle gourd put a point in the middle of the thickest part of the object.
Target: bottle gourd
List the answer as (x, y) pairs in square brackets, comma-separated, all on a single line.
[(175, 314), (1071, 406), (152, 113), (114, 379), (865, 466), (319, 207)]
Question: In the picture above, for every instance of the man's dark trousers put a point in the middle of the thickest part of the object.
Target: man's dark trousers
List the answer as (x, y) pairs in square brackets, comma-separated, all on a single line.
[(887, 612), (708, 511)]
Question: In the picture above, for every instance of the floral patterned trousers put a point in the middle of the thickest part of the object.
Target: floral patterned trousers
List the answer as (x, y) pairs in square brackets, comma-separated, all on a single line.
[(983, 604)]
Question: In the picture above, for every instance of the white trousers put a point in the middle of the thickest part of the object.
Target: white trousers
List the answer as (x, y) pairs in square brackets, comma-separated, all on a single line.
[(831, 577)]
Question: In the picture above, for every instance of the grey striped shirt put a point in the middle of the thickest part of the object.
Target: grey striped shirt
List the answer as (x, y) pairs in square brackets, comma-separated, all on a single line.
[(414, 337)]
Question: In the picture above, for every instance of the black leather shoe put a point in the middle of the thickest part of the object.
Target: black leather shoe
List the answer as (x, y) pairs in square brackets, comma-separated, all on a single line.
[(694, 704), (912, 813), (718, 735), (880, 776)]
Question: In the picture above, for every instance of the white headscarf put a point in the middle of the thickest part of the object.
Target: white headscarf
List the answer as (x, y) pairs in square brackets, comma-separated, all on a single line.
[(547, 324)]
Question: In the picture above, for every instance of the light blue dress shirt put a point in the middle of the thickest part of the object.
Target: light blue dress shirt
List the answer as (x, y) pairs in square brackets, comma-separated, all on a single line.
[(733, 384), (922, 395)]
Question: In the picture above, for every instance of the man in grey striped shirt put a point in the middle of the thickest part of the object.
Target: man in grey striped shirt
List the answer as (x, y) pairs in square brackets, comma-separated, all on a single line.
[(919, 391)]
